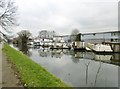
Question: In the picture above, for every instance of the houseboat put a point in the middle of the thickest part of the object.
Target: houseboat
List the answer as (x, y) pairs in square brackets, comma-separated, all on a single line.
[(103, 41), (78, 45)]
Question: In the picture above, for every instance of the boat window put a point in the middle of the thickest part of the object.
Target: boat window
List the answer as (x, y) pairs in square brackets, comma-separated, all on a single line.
[(116, 40), (111, 40), (94, 34), (114, 34)]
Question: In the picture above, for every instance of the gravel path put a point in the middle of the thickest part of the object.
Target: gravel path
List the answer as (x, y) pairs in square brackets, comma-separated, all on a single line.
[(0, 65), (9, 78)]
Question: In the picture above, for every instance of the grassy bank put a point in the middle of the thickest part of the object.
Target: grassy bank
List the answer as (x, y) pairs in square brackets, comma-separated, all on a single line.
[(31, 73)]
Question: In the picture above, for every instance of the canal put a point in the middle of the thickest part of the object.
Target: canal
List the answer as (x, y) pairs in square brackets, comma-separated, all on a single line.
[(78, 69)]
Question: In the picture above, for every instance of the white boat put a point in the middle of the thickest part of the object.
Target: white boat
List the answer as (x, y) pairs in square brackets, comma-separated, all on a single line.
[(88, 49), (30, 43), (103, 57), (102, 48), (99, 47)]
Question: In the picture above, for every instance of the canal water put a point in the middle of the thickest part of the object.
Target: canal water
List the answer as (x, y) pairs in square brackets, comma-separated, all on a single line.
[(78, 69)]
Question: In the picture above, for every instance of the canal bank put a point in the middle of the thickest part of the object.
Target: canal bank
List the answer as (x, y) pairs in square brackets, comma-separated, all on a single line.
[(0, 65), (72, 67), (8, 75), (31, 73)]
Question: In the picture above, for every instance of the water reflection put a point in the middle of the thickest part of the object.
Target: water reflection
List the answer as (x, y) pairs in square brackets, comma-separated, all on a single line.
[(50, 53), (44, 52), (56, 53), (97, 74), (87, 65), (24, 49), (79, 69), (36, 47), (77, 55)]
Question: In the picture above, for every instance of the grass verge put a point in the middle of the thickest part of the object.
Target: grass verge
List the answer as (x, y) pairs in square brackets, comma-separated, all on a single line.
[(31, 73)]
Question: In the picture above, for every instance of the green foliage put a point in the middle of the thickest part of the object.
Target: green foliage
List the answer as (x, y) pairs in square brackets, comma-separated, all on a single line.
[(31, 73)]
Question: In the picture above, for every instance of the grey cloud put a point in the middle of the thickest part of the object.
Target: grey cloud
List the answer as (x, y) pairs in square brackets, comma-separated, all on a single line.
[(65, 15)]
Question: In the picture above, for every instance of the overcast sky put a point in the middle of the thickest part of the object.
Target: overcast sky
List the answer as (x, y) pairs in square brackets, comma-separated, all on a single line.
[(63, 16)]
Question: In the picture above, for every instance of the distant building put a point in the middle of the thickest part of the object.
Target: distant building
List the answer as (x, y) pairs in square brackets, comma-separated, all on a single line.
[(113, 36), (44, 34), (100, 37), (65, 38)]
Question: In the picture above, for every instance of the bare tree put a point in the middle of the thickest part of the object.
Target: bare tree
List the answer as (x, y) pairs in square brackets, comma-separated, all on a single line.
[(7, 14), (75, 35), (24, 36), (75, 32)]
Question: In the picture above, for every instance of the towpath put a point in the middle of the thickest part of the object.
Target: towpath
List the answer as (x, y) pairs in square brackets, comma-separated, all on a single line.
[(0, 65), (9, 78)]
